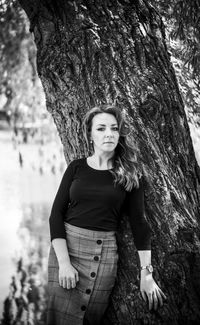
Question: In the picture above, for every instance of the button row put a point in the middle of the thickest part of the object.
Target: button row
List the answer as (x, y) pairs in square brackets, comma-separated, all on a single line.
[(92, 274)]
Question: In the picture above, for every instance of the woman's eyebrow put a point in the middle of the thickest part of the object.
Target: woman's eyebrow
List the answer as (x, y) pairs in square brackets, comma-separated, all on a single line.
[(105, 124)]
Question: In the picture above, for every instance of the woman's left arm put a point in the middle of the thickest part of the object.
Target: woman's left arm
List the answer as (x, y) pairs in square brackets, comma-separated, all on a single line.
[(150, 291), (134, 207)]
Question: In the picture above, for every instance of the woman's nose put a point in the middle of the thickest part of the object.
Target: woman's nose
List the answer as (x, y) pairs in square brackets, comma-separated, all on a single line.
[(109, 132)]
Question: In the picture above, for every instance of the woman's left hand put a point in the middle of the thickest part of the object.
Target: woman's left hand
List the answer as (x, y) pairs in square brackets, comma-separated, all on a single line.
[(150, 291)]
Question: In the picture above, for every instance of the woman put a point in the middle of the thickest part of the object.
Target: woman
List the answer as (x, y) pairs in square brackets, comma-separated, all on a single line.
[(93, 194)]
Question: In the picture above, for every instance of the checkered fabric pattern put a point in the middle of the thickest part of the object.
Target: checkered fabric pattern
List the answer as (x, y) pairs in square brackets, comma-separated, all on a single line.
[(94, 254)]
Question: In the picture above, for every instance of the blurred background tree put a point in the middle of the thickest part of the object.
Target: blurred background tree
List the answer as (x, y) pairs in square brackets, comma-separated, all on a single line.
[(21, 93), (25, 121)]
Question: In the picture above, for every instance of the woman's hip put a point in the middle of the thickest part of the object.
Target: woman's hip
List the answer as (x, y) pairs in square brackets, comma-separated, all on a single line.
[(90, 244)]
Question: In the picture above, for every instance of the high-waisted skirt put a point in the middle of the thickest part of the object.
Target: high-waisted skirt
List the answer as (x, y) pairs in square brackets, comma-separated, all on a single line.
[(94, 255)]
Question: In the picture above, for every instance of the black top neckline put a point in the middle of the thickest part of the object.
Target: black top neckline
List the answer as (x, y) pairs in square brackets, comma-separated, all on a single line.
[(98, 170)]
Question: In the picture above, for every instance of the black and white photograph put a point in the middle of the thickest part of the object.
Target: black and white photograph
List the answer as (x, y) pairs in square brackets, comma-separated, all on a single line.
[(100, 162)]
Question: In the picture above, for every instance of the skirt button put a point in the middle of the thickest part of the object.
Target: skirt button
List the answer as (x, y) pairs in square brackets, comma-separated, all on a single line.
[(88, 291), (93, 274), (83, 308), (99, 241), (96, 258)]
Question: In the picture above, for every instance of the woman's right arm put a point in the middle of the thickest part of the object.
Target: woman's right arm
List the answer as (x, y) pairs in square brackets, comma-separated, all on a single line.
[(68, 275)]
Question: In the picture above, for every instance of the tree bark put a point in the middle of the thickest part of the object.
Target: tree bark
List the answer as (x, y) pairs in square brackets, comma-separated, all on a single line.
[(107, 51)]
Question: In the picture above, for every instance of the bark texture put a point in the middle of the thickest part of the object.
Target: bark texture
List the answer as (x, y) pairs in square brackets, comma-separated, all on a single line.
[(114, 51)]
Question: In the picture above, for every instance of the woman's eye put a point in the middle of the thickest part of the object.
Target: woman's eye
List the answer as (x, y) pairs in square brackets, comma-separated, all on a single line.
[(114, 129)]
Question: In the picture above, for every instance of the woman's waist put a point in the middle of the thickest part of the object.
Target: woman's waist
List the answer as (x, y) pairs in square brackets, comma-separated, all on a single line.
[(89, 231), (95, 221)]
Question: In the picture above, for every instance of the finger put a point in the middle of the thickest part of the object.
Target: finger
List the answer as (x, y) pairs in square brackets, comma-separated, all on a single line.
[(150, 301), (68, 283), (159, 298), (162, 294), (155, 300), (143, 294), (77, 277), (73, 283), (60, 281), (63, 283)]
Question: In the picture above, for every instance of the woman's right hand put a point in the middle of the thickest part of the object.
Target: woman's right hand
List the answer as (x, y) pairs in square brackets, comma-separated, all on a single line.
[(68, 276)]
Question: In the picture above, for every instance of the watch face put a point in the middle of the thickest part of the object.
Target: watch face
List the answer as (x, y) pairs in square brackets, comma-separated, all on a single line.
[(150, 268)]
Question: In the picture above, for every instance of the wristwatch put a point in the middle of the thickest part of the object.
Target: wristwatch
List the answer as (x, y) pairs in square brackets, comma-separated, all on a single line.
[(148, 267)]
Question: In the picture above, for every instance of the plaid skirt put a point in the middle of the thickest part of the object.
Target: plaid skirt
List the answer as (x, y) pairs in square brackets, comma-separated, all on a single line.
[(94, 255)]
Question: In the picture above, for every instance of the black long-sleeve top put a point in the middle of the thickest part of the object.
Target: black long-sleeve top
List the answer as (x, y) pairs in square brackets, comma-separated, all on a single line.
[(88, 198)]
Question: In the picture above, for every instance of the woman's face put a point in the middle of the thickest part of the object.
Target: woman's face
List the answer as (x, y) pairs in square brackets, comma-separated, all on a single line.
[(104, 132)]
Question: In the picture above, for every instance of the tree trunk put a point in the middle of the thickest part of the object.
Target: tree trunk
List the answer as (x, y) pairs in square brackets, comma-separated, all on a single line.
[(107, 51)]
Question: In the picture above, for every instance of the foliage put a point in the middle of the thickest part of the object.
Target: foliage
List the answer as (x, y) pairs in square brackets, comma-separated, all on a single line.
[(13, 31), (20, 88), (184, 17), (181, 27), (26, 301)]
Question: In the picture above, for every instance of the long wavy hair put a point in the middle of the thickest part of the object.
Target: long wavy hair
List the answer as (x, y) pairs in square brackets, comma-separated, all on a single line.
[(126, 170)]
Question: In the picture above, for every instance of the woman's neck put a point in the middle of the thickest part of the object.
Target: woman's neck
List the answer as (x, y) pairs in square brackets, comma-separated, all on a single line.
[(101, 161)]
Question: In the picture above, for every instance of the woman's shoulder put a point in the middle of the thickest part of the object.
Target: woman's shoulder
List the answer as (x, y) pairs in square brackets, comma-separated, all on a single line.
[(77, 162)]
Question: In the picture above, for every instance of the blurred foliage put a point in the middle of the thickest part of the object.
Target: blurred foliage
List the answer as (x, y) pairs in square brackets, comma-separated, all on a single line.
[(190, 91), (181, 19), (26, 301), (184, 18), (13, 32), (20, 88)]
